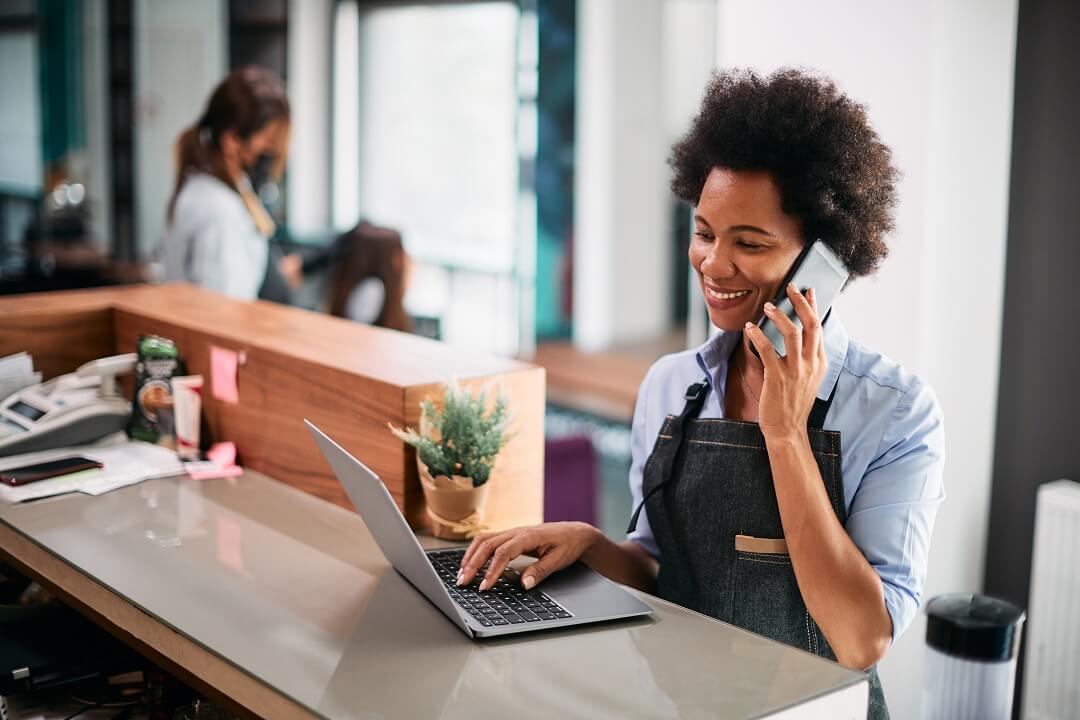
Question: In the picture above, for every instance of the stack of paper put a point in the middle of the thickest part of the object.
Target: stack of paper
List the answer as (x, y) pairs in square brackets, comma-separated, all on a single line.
[(125, 463), (16, 373)]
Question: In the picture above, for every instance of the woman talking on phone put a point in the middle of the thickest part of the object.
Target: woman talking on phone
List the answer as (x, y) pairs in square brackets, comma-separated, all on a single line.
[(794, 495)]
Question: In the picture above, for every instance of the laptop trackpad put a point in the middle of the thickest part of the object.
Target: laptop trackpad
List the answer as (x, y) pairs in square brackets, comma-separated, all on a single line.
[(585, 593)]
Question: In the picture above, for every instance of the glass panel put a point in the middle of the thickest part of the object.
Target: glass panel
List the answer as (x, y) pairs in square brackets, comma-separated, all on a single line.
[(438, 151), (20, 119)]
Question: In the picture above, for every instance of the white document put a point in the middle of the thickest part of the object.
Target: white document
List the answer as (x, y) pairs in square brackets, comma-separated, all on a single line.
[(16, 373), (125, 463)]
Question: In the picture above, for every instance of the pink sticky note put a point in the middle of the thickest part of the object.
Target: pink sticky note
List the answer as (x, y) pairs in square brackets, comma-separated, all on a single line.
[(223, 367)]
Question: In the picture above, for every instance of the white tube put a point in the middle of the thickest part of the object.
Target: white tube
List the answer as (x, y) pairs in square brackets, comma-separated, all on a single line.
[(187, 411), (960, 689)]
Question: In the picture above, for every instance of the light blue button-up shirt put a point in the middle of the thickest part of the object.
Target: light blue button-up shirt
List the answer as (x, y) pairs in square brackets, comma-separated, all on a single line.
[(892, 450)]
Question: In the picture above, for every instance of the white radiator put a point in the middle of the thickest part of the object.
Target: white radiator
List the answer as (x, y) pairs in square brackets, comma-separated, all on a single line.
[(1052, 664)]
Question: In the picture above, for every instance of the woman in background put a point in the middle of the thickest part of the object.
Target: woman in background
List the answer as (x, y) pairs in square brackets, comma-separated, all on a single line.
[(218, 229), (369, 278)]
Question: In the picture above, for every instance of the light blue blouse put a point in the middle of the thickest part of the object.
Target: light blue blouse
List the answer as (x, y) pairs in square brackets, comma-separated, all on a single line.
[(212, 240), (892, 451)]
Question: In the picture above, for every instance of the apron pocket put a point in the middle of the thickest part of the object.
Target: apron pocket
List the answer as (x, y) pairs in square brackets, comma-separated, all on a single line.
[(767, 600), (761, 546)]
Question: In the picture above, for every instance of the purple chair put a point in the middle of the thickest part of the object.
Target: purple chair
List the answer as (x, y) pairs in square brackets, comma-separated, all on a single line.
[(570, 479)]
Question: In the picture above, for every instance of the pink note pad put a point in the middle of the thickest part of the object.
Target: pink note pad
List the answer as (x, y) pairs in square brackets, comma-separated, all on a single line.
[(221, 463), (223, 368), (214, 473), (223, 453)]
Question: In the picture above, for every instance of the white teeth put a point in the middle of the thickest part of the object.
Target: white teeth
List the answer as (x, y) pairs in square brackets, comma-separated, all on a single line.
[(726, 296)]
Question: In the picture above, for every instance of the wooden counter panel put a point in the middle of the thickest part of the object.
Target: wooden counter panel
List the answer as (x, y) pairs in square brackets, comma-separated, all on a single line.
[(59, 342), (393, 357), (276, 393), (347, 378)]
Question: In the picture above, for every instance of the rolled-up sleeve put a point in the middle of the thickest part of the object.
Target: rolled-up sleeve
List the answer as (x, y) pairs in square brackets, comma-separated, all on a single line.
[(891, 516)]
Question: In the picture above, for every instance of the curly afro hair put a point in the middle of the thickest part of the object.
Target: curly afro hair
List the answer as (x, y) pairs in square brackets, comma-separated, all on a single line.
[(833, 172)]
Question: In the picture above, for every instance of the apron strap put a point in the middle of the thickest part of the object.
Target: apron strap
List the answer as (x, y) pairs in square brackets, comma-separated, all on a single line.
[(695, 400), (821, 409)]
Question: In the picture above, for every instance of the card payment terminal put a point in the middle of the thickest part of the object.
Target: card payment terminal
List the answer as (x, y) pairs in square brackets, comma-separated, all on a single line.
[(73, 409)]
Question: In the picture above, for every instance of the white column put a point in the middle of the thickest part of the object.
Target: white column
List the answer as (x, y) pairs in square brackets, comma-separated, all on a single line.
[(969, 149), (96, 97), (345, 163), (310, 50), (621, 198)]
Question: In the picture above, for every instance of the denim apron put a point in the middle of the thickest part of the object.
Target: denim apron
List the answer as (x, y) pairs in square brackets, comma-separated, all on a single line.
[(708, 487)]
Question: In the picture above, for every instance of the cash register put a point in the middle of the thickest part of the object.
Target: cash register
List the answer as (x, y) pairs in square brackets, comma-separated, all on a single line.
[(73, 409)]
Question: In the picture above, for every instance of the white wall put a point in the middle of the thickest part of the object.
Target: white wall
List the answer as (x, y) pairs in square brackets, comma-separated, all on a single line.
[(621, 200), (688, 29), (937, 81)]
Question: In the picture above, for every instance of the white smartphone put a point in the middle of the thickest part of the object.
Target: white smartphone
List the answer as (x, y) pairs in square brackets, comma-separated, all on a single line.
[(816, 267)]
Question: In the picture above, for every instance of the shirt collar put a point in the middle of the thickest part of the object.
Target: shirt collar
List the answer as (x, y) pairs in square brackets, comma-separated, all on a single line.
[(712, 357)]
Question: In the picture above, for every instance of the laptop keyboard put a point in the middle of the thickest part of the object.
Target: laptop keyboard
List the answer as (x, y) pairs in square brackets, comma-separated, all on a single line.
[(506, 603)]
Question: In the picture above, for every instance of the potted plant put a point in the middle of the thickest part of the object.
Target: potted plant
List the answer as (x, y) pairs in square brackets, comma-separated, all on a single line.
[(456, 448)]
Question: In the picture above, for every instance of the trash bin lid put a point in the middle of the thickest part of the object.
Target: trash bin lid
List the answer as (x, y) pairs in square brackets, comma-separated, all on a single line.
[(974, 627)]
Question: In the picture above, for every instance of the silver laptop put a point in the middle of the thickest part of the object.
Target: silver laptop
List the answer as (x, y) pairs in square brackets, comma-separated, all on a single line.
[(574, 596)]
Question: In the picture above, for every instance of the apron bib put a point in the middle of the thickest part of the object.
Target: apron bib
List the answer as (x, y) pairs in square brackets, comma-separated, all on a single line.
[(712, 506)]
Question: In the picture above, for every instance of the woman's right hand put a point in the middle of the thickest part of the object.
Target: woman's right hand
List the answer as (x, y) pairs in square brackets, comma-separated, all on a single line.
[(555, 545)]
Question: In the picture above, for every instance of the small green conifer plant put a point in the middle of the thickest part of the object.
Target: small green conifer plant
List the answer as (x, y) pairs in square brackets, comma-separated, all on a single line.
[(463, 437)]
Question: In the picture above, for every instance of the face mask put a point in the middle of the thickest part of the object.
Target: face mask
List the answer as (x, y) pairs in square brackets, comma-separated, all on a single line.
[(259, 171)]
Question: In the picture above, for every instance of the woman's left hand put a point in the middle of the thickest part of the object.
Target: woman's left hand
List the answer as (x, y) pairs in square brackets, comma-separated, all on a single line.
[(791, 382), (292, 267)]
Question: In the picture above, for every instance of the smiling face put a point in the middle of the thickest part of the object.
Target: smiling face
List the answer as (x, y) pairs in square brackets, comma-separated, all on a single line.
[(743, 245)]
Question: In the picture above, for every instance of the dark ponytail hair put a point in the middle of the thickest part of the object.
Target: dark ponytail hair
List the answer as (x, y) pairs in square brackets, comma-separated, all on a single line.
[(244, 102)]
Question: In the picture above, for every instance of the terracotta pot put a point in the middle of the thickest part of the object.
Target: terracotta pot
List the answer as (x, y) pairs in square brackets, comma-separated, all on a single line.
[(455, 509)]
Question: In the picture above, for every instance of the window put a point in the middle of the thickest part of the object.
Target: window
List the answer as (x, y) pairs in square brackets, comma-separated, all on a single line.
[(426, 140)]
